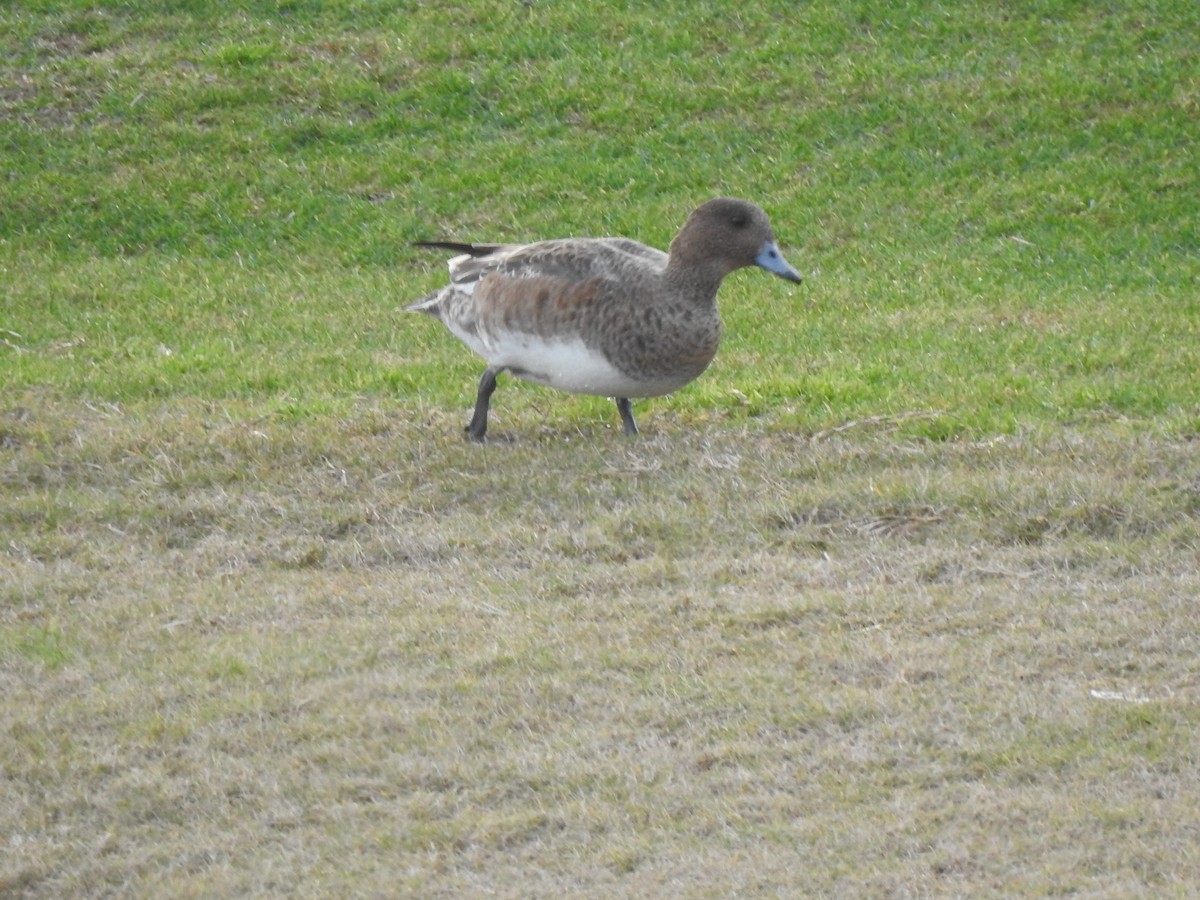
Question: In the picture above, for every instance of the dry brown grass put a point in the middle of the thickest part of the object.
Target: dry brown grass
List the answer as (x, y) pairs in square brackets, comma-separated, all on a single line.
[(359, 656)]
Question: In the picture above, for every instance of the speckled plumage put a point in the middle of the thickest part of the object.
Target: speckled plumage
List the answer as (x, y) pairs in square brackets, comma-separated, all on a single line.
[(607, 316)]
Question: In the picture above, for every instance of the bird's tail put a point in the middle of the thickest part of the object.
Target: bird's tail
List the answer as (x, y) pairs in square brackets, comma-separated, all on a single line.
[(459, 247)]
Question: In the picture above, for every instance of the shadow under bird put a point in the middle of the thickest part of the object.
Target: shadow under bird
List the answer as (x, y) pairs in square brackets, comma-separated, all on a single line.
[(605, 316)]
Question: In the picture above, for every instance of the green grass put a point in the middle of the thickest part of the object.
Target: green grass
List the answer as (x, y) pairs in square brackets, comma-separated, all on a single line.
[(995, 207), (898, 598)]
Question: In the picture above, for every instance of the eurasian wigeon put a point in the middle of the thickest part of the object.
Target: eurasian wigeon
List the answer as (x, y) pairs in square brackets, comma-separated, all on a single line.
[(606, 316)]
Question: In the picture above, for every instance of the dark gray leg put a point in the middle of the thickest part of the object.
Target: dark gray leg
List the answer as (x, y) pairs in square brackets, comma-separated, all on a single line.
[(626, 410), (487, 384)]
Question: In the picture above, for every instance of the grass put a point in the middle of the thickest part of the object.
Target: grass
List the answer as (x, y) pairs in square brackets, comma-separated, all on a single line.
[(897, 599), (296, 658), (1000, 232)]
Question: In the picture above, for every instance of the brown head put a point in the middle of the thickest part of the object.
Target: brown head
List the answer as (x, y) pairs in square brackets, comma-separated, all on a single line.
[(726, 234)]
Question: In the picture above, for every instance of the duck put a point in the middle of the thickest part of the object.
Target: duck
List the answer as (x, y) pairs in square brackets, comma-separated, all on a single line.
[(607, 316)]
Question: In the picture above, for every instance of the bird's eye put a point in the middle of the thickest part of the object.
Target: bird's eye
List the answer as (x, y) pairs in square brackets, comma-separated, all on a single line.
[(737, 220)]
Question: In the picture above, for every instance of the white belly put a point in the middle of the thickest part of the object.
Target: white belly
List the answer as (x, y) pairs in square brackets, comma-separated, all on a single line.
[(570, 365)]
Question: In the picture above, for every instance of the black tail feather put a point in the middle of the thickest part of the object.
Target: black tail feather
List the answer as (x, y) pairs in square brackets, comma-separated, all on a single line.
[(458, 247)]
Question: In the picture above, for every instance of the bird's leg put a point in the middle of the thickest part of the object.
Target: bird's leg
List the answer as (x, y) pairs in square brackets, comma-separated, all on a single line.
[(625, 408), (487, 384)]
